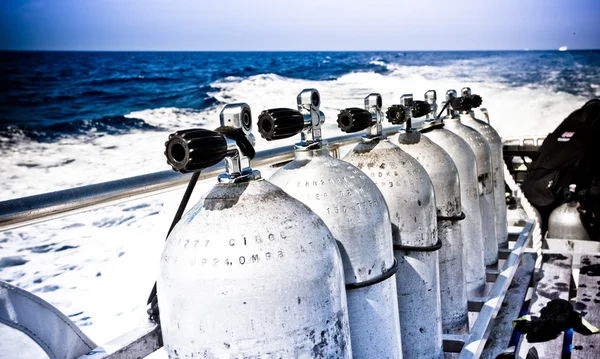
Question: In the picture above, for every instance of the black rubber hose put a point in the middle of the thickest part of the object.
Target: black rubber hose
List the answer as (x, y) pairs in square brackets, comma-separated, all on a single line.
[(153, 311), (442, 110)]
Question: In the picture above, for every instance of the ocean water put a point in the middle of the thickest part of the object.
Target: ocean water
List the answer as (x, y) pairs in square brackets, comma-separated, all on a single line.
[(70, 119)]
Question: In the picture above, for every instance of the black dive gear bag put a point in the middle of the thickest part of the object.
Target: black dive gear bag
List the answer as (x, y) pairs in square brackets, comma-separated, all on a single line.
[(569, 155)]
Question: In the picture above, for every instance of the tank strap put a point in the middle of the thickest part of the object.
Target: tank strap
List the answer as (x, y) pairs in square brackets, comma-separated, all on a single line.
[(431, 128), (432, 248), (390, 272), (460, 217)]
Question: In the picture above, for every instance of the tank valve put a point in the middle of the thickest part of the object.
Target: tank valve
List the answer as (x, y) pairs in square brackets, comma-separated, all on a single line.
[(397, 114), (196, 149), (420, 109), (571, 193), (356, 119), (353, 119), (451, 95), (472, 100), (408, 108), (278, 123), (431, 99)]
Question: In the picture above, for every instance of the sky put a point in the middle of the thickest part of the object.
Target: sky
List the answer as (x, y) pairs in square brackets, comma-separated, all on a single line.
[(304, 25)]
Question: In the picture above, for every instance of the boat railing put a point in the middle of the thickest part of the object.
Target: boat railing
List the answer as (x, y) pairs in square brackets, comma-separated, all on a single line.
[(524, 141), (519, 153), (24, 211), (38, 208)]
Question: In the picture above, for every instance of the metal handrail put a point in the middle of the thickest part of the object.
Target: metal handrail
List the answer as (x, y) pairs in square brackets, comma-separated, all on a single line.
[(38, 208), (480, 331)]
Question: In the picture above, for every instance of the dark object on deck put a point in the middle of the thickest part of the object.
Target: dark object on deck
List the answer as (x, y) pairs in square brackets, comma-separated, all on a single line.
[(510, 354), (590, 209), (556, 317), (569, 155)]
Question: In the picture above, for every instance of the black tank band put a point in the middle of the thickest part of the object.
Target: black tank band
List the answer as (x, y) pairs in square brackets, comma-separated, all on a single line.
[(390, 272), (431, 128), (453, 218), (432, 248)]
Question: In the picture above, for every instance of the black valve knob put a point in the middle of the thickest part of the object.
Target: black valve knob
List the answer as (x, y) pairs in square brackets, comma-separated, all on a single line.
[(354, 119), (420, 108), (569, 196), (476, 101), (397, 114), (461, 103), (278, 123), (195, 149)]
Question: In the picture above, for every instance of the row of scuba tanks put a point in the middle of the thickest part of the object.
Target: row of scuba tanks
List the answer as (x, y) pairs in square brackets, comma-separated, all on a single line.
[(369, 256)]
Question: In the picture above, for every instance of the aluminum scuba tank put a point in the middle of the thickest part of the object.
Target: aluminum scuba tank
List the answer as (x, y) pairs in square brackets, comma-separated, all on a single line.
[(356, 212), (444, 176), (467, 117), (452, 122), (515, 213), (410, 197), (249, 271), (564, 222), (464, 159)]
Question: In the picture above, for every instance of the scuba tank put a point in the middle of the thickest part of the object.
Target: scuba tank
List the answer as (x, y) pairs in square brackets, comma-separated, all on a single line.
[(444, 176), (355, 211), (464, 159), (565, 221), (467, 117), (515, 213), (452, 122), (410, 196), (248, 271)]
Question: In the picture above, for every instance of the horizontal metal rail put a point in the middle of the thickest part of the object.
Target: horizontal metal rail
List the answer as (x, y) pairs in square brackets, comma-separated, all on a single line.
[(137, 343), (493, 302), (33, 209), (534, 141)]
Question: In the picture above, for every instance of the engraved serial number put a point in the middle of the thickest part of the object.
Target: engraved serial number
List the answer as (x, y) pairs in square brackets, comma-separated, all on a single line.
[(240, 260)]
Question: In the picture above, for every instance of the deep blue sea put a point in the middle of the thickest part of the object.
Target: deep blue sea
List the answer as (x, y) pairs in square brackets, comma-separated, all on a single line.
[(49, 95)]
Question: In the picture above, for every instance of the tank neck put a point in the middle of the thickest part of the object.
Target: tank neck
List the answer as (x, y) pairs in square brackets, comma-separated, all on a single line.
[(409, 137), (462, 117), (452, 119), (467, 115), (306, 153), (372, 139)]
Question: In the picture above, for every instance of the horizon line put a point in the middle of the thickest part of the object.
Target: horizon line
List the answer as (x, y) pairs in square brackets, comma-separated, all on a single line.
[(144, 50)]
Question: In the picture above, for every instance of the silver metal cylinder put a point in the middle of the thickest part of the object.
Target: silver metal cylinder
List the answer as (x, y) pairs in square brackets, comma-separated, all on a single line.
[(251, 272), (357, 215), (565, 223), (411, 200), (444, 175), (485, 186), (495, 143), (472, 236)]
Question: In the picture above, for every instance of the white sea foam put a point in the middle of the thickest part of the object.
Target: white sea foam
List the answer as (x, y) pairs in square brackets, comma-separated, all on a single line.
[(99, 266)]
